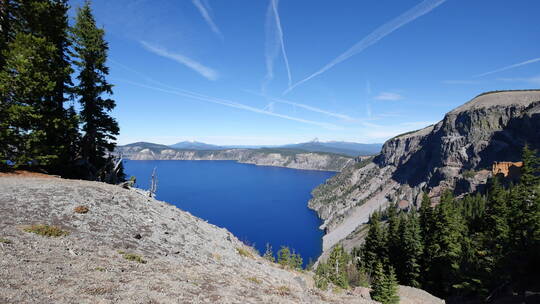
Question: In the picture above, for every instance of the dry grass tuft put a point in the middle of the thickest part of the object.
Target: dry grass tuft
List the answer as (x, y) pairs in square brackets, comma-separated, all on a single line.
[(244, 252), (134, 257), (283, 291), (254, 280), (99, 291), (81, 209), (46, 230), (5, 241), (216, 256)]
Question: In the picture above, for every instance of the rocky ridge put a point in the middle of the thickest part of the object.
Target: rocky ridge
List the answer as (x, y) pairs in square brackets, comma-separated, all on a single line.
[(129, 248), (261, 157), (455, 153)]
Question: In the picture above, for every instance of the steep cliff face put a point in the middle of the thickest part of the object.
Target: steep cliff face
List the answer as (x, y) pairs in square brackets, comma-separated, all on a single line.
[(456, 153), (262, 157)]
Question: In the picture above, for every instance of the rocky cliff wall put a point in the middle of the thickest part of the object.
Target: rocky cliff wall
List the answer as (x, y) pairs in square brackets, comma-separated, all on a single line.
[(295, 160), (491, 127)]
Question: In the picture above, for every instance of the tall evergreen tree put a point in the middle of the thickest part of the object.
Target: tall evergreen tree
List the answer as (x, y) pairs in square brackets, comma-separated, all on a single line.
[(412, 249), (391, 288), (100, 129), (24, 81), (384, 286), (374, 249), (46, 140), (498, 229), (337, 266), (446, 250), (393, 241), (524, 220)]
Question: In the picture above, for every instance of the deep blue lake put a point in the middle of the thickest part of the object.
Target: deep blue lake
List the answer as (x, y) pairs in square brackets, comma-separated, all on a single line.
[(258, 204)]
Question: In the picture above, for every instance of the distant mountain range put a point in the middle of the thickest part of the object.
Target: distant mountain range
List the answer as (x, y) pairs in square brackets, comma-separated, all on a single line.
[(338, 147), (195, 145)]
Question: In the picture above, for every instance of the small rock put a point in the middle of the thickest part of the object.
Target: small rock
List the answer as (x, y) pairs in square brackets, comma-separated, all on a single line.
[(138, 236), (363, 292)]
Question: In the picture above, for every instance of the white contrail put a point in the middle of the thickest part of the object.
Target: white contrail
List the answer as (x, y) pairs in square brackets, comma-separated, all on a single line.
[(232, 104), (205, 71), (419, 10), (305, 106), (280, 36), (274, 44), (206, 16), (508, 67)]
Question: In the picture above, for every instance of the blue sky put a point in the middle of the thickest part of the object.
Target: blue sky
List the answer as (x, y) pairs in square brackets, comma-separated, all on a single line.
[(269, 72)]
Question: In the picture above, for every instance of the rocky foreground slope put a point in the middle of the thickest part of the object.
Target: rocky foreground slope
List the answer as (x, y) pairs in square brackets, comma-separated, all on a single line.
[(129, 248), (262, 157), (456, 153)]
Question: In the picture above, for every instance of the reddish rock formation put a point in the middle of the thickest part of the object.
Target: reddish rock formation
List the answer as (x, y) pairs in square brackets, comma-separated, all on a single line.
[(507, 169)]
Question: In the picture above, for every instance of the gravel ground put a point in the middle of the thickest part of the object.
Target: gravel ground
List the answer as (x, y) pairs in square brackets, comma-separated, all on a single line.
[(187, 259), (183, 259)]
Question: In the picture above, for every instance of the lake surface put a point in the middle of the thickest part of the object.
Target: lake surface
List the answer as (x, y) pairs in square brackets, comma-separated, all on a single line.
[(258, 204)]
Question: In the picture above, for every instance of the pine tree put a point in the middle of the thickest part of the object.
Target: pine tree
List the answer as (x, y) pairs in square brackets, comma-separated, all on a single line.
[(498, 230), (524, 220), (391, 288), (321, 276), (296, 261), (24, 81), (378, 283), (427, 226), (284, 256), (384, 287), (90, 51), (374, 249), (393, 240), (45, 138), (337, 266), (268, 254), (449, 231), (412, 249)]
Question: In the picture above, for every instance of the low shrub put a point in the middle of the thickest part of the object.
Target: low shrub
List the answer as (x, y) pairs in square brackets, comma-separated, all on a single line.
[(134, 257), (46, 230), (244, 252)]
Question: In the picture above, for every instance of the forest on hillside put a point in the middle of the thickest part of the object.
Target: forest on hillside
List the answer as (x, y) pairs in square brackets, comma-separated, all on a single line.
[(473, 249), (55, 100)]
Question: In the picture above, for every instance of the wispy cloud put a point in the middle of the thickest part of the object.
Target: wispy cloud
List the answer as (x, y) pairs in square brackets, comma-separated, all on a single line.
[(205, 13), (313, 109), (419, 10), (389, 96), (534, 80), (508, 67), (368, 88), (274, 44), (205, 71), (231, 104), (462, 82), (305, 107)]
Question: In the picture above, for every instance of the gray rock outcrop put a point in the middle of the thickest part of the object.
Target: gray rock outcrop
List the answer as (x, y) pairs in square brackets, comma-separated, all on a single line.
[(261, 157), (456, 153)]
